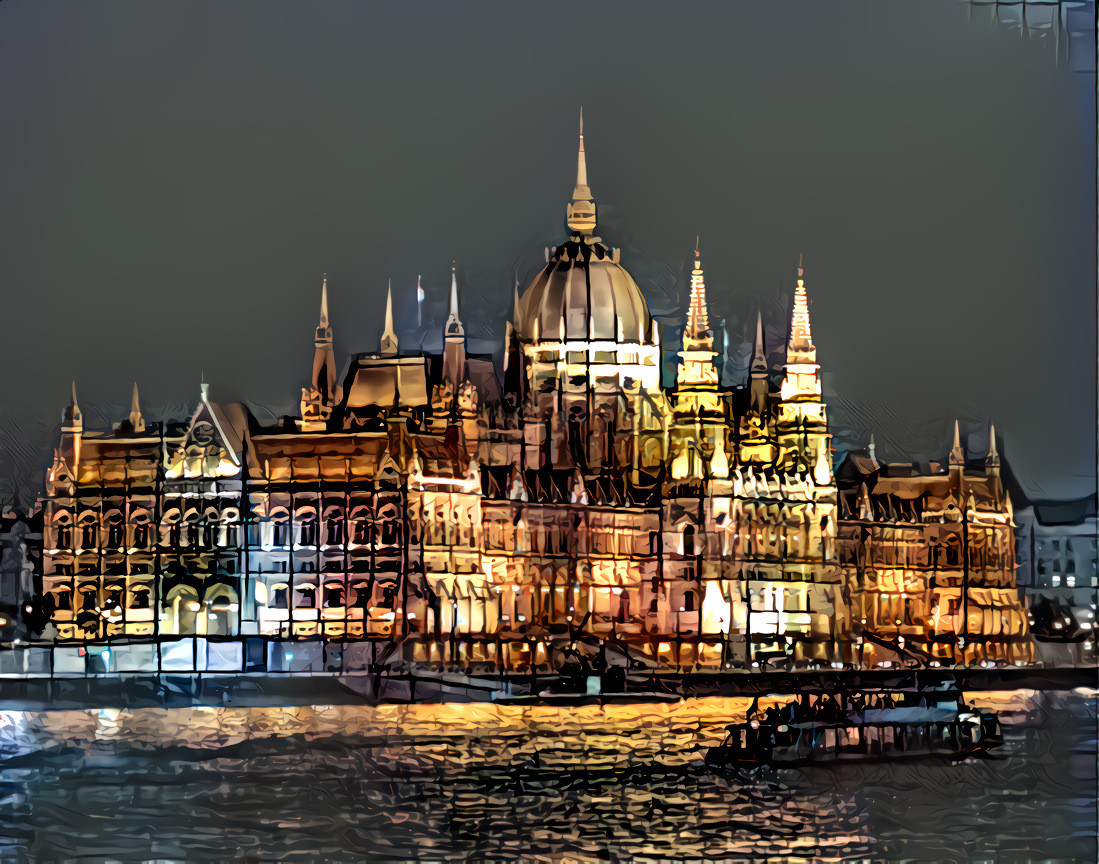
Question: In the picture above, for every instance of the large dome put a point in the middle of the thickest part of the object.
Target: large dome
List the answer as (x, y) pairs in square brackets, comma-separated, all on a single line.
[(584, 294)]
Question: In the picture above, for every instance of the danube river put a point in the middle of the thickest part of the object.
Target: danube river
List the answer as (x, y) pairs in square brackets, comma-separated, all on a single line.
[(493, 783)]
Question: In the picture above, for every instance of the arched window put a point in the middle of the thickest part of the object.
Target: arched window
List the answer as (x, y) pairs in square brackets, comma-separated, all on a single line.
[(360, 526), (139, 597), (333, 526), (62, 600), (307, 526), (689, 540), (280, 528), (114, 529), (63, 535), (89, 531)]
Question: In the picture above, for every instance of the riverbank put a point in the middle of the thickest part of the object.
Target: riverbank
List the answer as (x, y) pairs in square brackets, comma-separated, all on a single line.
[(180, 690)]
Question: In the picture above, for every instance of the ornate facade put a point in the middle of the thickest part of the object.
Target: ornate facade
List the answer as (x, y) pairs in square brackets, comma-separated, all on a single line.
[(567, 510)]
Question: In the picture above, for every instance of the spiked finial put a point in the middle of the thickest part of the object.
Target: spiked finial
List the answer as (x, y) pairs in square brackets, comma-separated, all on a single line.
[(697, 335), (580, 213), (137, 422), (873, 453), (388, 344), (515, 300), (324, 302), (759, 351), (70, 417), (453, 322), (993, 452), (204, 388), (957, 452)]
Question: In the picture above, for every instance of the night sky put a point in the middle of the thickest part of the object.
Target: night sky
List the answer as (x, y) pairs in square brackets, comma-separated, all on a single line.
[(179, 176)]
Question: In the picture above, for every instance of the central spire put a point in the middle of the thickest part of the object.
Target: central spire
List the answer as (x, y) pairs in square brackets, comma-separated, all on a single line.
[(580, 213), (697, 336)]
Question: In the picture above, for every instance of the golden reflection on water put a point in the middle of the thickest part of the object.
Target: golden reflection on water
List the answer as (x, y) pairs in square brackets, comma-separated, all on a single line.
[(685, 726), (439, 781)]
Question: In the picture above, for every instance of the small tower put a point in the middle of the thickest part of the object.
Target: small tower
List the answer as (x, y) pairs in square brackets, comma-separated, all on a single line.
[(322, 394), (388, 344), (72, 431), (137, 422), (957, 451), (454, 339)]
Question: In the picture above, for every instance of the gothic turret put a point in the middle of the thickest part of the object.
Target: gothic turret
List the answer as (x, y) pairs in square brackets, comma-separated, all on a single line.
[(454, 339), (137, 422), (802, 429), (388, 344), (322, 393)]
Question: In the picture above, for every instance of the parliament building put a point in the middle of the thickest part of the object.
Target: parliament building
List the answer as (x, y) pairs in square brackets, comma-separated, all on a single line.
[(563, 507)]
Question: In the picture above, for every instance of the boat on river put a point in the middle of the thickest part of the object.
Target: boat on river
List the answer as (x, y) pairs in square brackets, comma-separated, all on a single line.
[(858, 726)]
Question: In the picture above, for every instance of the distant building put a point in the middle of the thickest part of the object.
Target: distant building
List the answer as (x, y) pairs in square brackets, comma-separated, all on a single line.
[(568, 510), (1057, 571), (20, 579)]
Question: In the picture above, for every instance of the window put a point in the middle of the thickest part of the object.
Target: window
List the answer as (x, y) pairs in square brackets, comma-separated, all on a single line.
[(280, 534), (307, 536), (63, 600), (88, 532), (334, 529), (139, 598), (333, 595), (279, 596), (305, 596)]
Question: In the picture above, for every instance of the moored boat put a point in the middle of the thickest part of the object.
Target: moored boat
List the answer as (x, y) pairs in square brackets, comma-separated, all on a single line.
[(863, 725)]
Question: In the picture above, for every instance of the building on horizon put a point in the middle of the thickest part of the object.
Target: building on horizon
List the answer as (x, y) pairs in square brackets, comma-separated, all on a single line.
[(564, 511)]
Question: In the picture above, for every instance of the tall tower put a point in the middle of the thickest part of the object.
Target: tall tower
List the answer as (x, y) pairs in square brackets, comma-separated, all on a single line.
[(318, 399), (698, 433), (801, 427)]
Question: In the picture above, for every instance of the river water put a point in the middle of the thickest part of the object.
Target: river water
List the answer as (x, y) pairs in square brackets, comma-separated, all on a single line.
[(495, 783)]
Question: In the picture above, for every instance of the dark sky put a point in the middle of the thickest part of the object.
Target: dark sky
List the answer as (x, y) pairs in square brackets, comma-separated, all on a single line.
[(179, 175)]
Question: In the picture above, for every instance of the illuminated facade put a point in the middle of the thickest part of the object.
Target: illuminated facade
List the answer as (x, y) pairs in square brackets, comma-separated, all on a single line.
[(571, 511)]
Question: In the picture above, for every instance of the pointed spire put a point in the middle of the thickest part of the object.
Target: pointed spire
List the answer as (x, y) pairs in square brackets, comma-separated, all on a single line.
[(800, 348), (993, 458), (957, 452), (71, 417), (873, 453), (419, 301), (324, 330), (454, 326), (697, 335), (580, 213), (387, 345), (204, 388), (515, 301), (137, 422), (759, 351)]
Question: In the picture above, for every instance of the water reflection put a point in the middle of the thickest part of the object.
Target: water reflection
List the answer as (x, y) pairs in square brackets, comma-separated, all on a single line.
[(447, 782)]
